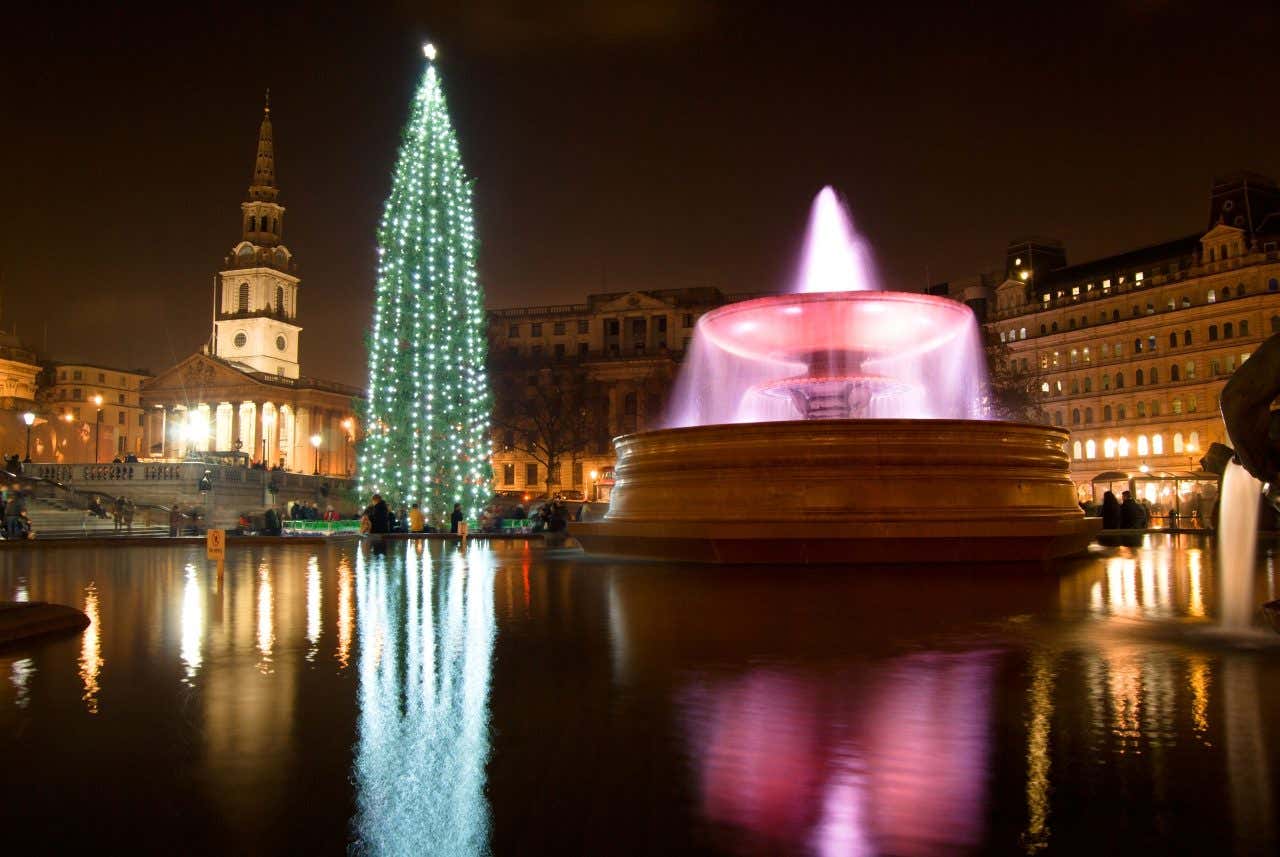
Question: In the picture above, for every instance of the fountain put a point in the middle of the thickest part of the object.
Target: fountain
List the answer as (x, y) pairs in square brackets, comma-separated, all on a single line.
[(839, 424)]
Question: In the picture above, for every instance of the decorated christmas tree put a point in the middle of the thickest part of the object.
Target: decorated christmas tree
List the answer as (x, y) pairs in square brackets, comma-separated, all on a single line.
[(427, 417)]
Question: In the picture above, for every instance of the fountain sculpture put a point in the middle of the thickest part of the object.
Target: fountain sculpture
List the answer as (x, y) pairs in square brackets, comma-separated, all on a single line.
[(839, 424)]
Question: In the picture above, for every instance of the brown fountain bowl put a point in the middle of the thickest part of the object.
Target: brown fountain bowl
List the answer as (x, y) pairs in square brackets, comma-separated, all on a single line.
[(843, 492)]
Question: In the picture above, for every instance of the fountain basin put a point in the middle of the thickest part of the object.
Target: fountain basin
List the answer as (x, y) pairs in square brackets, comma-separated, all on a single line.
[(876, 491)]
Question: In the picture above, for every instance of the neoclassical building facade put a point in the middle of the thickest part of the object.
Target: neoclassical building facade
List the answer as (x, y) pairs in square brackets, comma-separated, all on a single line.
[(245, 392)]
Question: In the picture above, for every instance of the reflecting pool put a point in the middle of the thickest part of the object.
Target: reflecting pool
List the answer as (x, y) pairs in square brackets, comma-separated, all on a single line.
[(514, 700)]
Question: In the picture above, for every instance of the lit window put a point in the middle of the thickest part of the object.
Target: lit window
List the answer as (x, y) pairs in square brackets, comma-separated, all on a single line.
[(1044, 386), (1090, 449), (1075, 291), (1106, 285), (1086, 354), (1137, 277), (1108, 448), (1022, 333), (1177, 443), (1193, 441), (1077, 450), (1212, 297), (1122, 448), (1143, 449), (1157, 444)]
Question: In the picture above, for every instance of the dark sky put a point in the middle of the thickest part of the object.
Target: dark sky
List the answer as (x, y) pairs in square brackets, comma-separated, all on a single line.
[(627, 145)]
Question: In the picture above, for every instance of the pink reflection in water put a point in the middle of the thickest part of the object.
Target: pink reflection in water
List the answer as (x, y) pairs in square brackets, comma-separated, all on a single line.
[(804, 764)]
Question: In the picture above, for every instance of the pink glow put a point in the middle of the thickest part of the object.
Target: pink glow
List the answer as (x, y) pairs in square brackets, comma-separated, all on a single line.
[(836, 258), (836, 350)]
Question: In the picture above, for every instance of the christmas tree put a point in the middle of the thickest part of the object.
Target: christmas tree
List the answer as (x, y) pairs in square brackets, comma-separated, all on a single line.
[(427, 416)]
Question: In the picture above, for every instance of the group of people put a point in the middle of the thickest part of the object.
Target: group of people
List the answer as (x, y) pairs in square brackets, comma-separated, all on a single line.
[(307, 510), (129, 458), (1126, 512), (379, 518)]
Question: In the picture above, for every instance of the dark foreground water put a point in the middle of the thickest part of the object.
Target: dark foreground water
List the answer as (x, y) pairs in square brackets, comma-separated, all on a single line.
[(444, 701)]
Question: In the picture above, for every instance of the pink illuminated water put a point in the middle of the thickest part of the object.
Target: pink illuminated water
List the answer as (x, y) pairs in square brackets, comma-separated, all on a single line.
[(836, 258), (836, 347), (1237, 540)]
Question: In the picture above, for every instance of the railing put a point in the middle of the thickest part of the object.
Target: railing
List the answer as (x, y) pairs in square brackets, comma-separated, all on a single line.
[(320, 528)]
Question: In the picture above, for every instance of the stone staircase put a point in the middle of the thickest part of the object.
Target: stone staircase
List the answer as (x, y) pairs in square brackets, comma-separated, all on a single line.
[(54, 518)]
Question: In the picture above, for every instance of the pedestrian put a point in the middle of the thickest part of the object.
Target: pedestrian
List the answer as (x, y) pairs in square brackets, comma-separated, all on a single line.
[(13, 510), (117, 513), (379, 515), (1110, 511), (271, 522), (416, 521), (456, 518), (127, 513), (1130, 513)]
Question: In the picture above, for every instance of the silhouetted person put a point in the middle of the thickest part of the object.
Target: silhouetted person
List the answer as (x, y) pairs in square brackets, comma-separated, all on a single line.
[(1110, 512), (379, 516), (1131, 515), (456, 518)]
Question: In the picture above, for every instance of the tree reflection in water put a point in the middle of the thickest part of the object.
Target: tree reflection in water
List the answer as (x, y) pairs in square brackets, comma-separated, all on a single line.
[(426, 637)]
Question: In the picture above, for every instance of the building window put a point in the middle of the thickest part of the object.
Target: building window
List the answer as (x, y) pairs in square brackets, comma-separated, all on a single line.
[(1157, 444), (559, 351), (1177, 407), (584, 325), (1143, 449), (531, 474), (1191, 404), (1228, 330), (1075, 418), (1136, 311), (1088, 385), (1275, 324), (1173, 372), (1055, 327), (661, 323), (1088, 416), (120, 398), (76, 375), (142, 420), (1138, 378), (1226, 292), (1173, 339), (1142, 409), (1119, 380), (242, 303), (582, 349), (1154, 410), (687, 321), (1191, 370), (558, 328), (1090, 449), (508, 474), (535, 329), (1154, 377), (1273, 285), (120, 418), (1137, 345), (1108, 448), (1244, 327), (1213, 333), (1106, 381), (1106, 413), (513, 331), (612, 326), (1106, 350), (1077, 450), (1212, 296), (1151, 310), (1022, 332), (629, 405), (1177, 443), (75, 394), (1043, 330), (1120, 412)]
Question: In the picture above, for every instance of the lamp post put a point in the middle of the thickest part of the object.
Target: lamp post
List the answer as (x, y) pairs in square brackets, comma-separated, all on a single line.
[(97, 426), (594, 474), (348, 425), (315, 443), (28, 418)]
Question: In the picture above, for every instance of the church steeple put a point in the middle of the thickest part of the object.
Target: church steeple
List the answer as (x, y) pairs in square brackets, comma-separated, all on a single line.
[(263, 217), (264, 168)]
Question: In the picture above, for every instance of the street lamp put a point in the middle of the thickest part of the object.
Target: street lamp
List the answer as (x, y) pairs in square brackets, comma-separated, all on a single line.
[(594, 474), (349, 426), (28, 418), (97, 426), (315, 442)]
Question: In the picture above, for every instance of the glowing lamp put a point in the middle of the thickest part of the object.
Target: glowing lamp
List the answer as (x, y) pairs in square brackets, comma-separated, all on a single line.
[(315, 441), (29, 418)]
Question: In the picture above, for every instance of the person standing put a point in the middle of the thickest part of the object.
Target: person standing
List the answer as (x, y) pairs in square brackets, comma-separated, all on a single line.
[(456, 518), (13, 510), (379, 516), (416, 521)]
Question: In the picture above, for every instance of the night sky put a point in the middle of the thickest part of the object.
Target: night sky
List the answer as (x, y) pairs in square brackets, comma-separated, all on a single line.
[(628, 145)]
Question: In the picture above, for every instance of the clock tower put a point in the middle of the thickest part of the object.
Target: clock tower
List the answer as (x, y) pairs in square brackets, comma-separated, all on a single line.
[(256, 302)]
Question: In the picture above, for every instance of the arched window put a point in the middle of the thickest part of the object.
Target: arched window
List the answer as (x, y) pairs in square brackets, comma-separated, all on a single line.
[(1119, 380), (253, 223), (1076, 450), (1088, 385), (1043, 330), (1054, 327), (1173, 372), (1228, 330), (1212, 296), (1142, 409), (1136, 311), (1071, 323), (1084, 321), (242, 304), (1138, 378), (1150, 308), (1177, 443), (1186, 337), (1213, 333), (1193, 441), (1186, 301), (1226, 292), (1115, 315), (1143, 448), (279, 298), (1273, 285), (1075, 386), (1106, 413), (1090, 449), (1170, 306), (1157, 444), (1244, 327), (1154, 377), (1122, 447), (1109, 448), (1154, 410), (1120, 412), (1088, 416), (1190, 370), (1173, 339), (1191, 404), (1240, 290), (1102, 317), (1137, 345), (1057, 418), (1106, 381), (1022, 333), (1075, 418), (1177, 406)]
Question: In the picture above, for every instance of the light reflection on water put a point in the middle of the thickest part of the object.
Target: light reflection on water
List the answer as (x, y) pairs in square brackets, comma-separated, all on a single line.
[(425, 656), (736, 712)]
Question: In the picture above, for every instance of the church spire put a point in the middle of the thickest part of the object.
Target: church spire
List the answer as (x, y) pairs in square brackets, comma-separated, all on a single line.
[(264, 168)]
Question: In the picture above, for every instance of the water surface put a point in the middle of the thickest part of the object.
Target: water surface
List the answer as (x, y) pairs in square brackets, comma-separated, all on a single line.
[(511, 700)]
